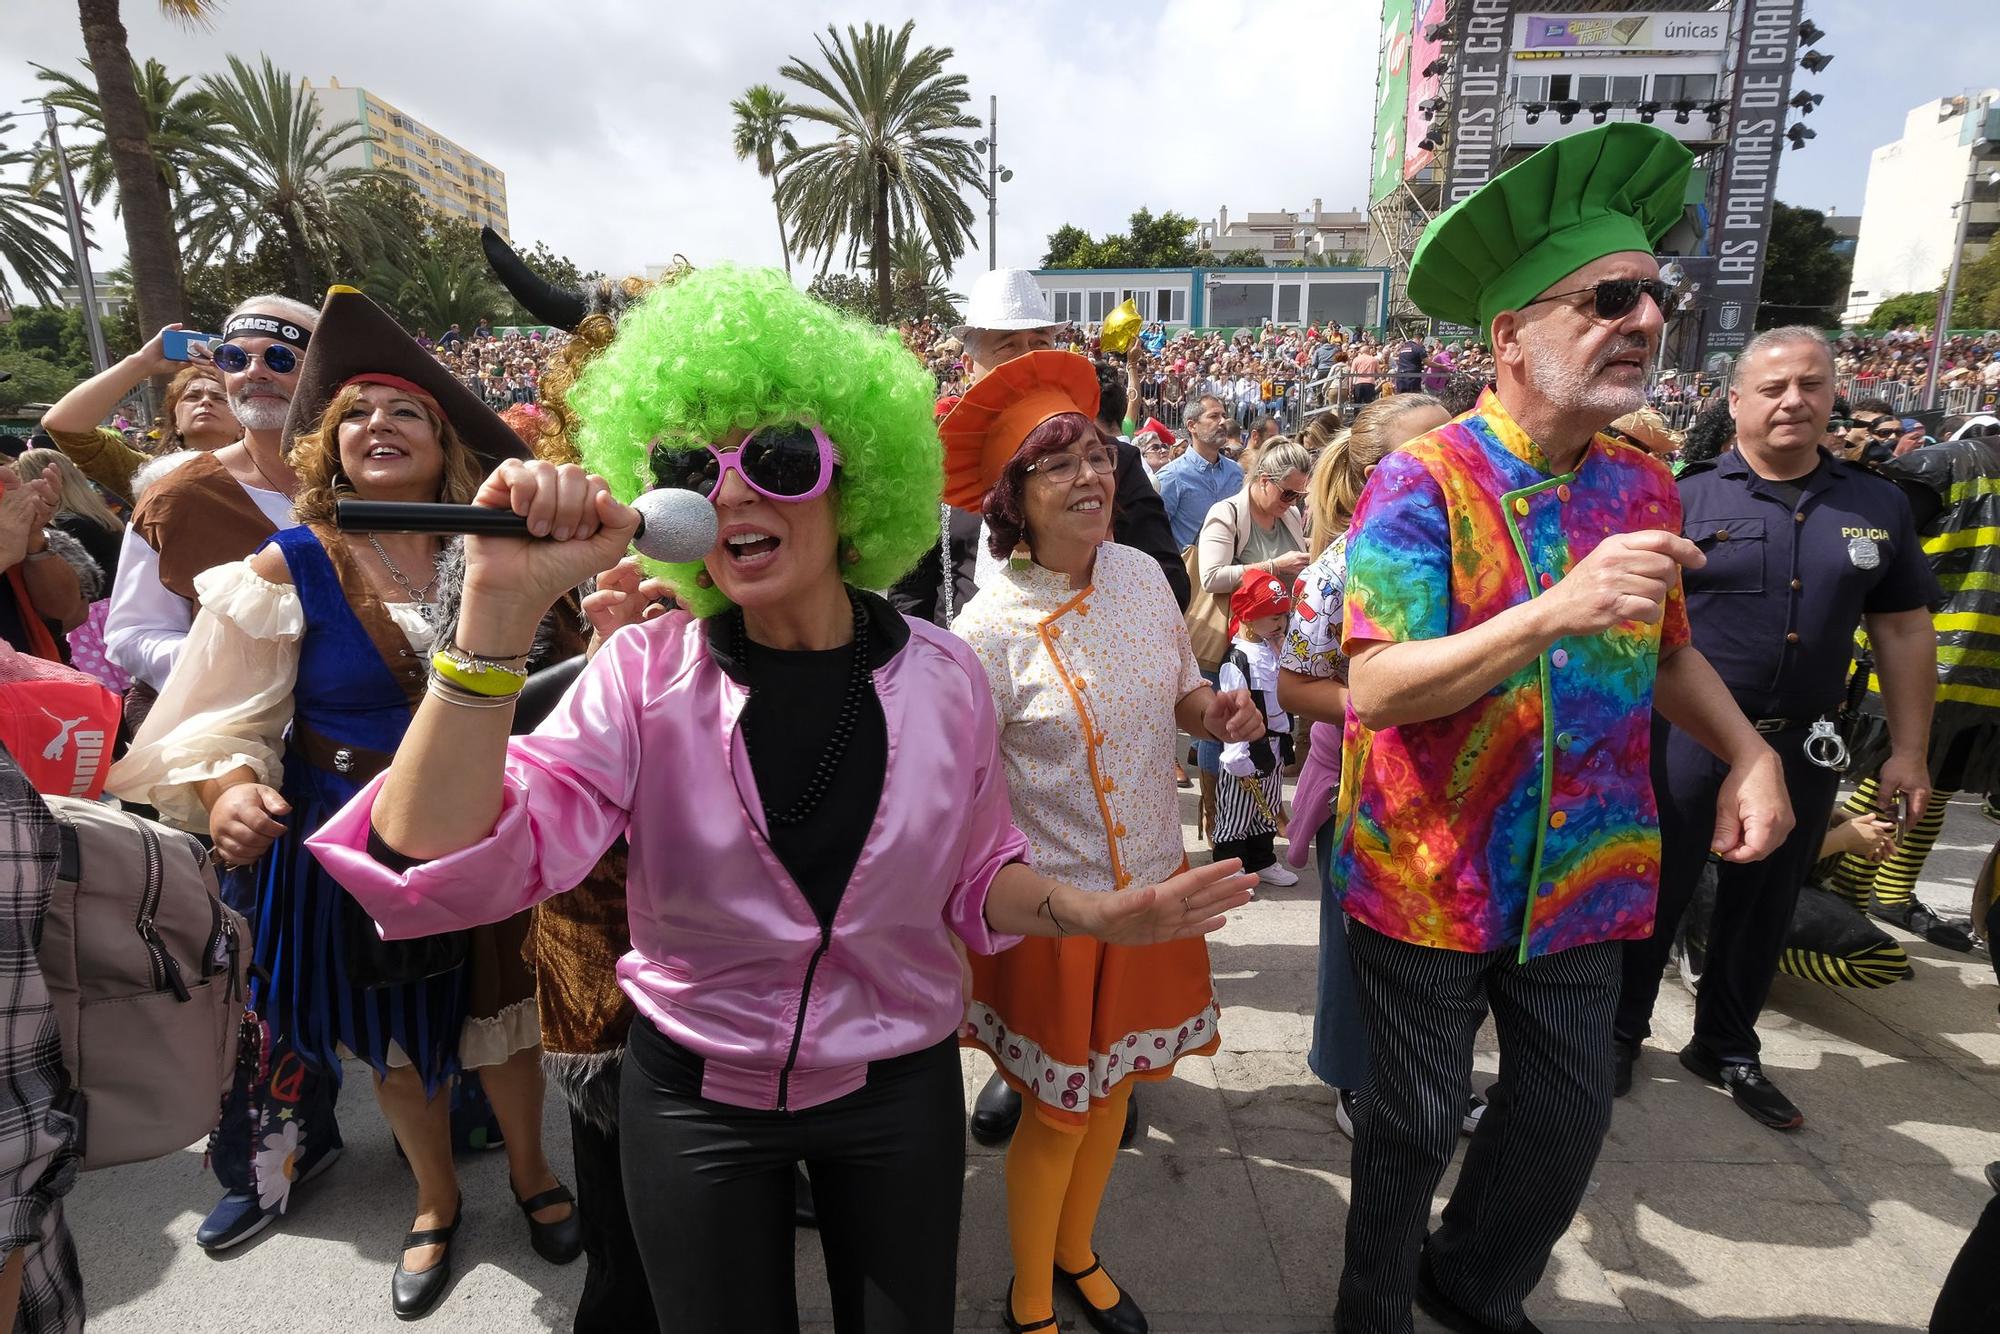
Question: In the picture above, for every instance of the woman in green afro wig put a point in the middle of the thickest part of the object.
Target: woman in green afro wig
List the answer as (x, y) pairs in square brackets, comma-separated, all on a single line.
[(726, 350)]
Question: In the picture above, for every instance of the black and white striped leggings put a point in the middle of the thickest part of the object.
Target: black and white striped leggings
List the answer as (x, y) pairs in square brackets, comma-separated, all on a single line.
[(1529, 1163)]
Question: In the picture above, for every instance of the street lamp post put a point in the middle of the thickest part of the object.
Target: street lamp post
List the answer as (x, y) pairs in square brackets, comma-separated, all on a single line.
[(86, 286), (995, 174)]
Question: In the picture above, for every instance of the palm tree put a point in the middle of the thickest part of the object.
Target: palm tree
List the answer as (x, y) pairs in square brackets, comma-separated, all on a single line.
[(893, 165), (430, 289), (142, 201), (919, 282), (28, 213), (761, 116), (273, 169), (178, 126)]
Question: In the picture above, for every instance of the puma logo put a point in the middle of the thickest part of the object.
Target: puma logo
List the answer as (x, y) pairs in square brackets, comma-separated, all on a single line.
[(54, 750)]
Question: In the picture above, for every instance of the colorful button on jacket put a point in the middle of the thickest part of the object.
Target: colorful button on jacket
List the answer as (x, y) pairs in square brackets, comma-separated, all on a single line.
[(1477, 831)]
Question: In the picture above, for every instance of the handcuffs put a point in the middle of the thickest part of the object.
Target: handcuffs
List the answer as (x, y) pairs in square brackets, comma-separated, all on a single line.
[(1824, 746)]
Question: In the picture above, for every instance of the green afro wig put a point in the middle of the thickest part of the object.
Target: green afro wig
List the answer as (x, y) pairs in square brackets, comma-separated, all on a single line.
[(730, 348)]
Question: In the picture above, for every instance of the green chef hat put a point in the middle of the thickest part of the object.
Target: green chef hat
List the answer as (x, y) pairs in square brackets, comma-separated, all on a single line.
[(1610, 189)]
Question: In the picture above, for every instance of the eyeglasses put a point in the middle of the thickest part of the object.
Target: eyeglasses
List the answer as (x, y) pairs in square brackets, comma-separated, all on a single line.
[(1614, 298), (1290, 496), (1063, 468), (789, 462), (1840, 423), (277, 358), (1886, 429)]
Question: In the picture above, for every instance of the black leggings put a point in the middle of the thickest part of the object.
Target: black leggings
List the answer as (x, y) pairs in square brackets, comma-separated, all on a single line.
[(710, 1191)]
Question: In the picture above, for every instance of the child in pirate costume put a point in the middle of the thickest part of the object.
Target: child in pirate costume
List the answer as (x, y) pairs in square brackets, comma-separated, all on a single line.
[(1249, 796)]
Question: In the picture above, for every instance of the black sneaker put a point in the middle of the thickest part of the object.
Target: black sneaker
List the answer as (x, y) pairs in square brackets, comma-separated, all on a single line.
[(1916, 917), (1626, 1055), (1747, 1084)]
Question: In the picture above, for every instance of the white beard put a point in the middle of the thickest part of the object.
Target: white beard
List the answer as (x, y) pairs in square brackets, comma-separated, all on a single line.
[(1555, 375), (260, 413)]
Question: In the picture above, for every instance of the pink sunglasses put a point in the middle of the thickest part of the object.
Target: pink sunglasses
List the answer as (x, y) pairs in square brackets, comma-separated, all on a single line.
[(787, 462)]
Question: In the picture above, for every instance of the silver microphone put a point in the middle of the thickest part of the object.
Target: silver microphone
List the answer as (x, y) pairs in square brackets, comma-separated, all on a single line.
[(675, 526)]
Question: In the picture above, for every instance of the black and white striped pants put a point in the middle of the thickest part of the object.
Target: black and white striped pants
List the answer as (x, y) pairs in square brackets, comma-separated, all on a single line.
[(1529, 1163)]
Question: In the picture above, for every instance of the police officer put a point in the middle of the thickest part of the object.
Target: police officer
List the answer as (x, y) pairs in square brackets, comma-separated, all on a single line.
[(1801, 548)]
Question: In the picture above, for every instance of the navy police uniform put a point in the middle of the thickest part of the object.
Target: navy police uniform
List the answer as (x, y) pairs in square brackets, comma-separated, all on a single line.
[(1792, 569)]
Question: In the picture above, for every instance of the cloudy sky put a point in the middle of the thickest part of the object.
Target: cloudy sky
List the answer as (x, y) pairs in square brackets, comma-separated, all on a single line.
[(611, 117)]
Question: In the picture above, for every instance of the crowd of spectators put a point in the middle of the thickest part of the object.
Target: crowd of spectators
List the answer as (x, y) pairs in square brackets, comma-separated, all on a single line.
[(503, 367), (1282, 372)]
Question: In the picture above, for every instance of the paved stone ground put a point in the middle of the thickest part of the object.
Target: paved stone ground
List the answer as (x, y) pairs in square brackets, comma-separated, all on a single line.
[(1227, 1214)]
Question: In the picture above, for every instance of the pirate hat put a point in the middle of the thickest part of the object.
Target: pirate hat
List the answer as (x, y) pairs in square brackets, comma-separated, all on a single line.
[(356, 340)]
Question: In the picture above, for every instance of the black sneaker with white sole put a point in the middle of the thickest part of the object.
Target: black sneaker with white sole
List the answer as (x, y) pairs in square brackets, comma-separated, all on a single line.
[(1748, 1085), (1475, 1108)]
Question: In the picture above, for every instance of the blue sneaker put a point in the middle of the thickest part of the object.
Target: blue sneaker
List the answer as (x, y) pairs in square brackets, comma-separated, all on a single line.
[(242, 1214), (235, 1219)]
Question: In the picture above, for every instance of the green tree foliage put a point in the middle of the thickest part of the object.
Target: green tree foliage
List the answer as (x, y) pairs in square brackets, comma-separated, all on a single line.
[(1908, 308), (30, 220), (1805, 282), (1977, 303), (179, 126), (895, 164), (45, 351), (273, 170), (1165, 241)]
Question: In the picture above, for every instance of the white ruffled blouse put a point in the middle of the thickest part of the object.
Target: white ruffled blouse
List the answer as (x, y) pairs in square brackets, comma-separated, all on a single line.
[(228, 702)]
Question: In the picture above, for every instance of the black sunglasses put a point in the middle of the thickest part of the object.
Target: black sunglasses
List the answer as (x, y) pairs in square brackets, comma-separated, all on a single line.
[(1614, 298), (1887, 428), (277, 358)]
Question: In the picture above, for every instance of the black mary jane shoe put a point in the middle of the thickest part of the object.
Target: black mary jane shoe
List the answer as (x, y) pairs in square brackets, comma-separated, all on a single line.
[(411, 1296), (558, 1242), (1124, 1317), (1013, 1326)]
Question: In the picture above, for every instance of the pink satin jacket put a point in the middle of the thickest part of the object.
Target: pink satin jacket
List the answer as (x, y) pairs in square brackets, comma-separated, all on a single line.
[(728, 959)]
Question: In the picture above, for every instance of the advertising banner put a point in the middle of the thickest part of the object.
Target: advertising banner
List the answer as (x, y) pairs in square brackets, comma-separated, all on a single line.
[(1423, 55), (1748, 181), (1707, 31), (1392, 95), (1479, 94)]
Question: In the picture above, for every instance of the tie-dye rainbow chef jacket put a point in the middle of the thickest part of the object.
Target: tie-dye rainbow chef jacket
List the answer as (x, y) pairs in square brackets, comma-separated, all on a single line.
[(1525, 820)]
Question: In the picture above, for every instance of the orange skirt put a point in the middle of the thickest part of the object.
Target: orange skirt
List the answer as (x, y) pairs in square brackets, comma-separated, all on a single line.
[(1065, 1020)]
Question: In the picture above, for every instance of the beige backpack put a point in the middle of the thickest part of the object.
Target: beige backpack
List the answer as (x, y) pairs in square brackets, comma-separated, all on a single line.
[(146, 967)]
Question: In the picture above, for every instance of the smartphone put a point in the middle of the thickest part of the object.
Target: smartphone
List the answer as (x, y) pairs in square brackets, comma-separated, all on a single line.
[(186, 345)]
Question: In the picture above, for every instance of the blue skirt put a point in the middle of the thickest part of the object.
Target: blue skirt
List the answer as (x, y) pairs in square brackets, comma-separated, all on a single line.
[(298, 919)]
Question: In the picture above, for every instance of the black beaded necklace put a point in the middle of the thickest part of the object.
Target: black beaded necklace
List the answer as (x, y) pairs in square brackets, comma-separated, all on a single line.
[(860, 683)]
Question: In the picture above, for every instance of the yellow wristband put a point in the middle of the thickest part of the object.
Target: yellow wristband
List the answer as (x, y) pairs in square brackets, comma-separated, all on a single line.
[(493, 682)]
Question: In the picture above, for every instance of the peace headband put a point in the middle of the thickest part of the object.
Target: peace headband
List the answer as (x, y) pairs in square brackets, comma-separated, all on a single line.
[(266, 326)]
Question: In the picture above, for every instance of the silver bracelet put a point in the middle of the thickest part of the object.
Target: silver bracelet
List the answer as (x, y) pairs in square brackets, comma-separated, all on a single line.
[(472, 664), (466, 699)]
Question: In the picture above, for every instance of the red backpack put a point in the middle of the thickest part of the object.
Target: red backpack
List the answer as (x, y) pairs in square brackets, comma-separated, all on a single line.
[(57, 723)]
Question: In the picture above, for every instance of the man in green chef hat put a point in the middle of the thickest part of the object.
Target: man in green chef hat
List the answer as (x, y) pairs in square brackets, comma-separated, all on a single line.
[(1514, 616)]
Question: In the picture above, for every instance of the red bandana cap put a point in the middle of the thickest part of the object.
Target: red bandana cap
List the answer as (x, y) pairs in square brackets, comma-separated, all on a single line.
[(1260, 594), (410, 387)]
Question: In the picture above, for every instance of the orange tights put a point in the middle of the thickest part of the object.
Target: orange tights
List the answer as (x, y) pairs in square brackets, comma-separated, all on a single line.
[(1055, 1183)]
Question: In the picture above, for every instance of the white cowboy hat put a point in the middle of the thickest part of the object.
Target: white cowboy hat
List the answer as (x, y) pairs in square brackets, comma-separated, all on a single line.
[(1005, 299)]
